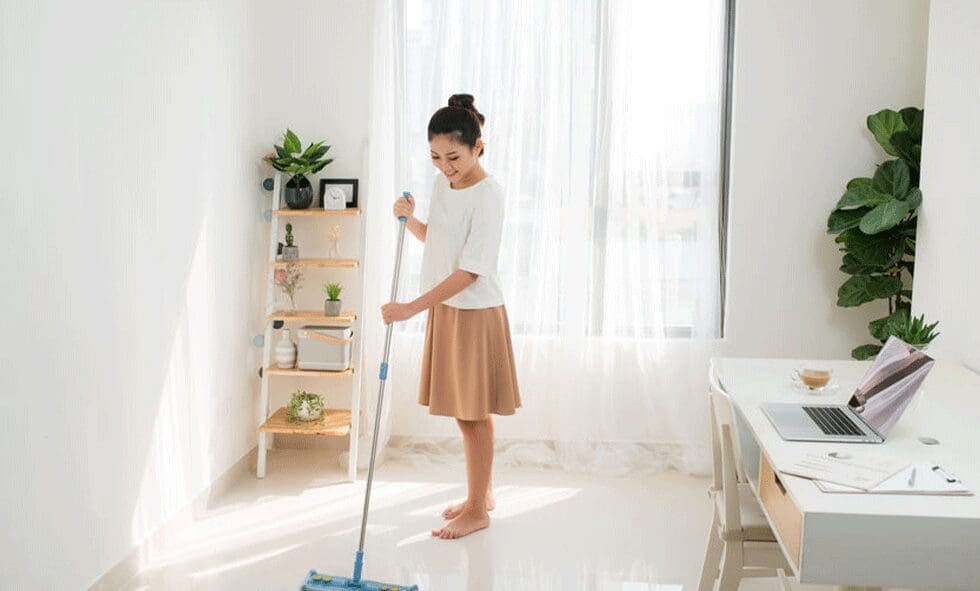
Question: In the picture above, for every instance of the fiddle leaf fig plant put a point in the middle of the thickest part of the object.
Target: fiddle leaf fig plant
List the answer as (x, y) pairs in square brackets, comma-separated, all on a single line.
[(874, 222)]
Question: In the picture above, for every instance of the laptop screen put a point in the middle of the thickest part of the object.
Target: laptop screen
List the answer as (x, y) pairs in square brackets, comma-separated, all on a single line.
[(887, 388)]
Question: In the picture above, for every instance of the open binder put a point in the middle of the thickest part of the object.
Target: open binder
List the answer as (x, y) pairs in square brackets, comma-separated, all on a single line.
[(919, 478)]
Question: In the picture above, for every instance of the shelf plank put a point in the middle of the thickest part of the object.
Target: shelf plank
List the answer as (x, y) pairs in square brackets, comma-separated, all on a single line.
[(275, 370), (313, 316), (335, 423), (321, 263), (318, 212)]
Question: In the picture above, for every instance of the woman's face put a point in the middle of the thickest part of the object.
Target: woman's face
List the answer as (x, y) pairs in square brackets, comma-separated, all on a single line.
[(453, 159)]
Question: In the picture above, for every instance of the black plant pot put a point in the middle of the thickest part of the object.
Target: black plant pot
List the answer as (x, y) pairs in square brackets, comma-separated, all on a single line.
[(299, 196)]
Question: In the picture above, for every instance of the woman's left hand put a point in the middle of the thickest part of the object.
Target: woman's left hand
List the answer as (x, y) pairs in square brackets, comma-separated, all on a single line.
[(397, 311)]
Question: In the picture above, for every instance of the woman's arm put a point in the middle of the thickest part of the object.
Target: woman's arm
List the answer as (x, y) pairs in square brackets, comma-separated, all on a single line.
[(450, 286), (406, 207), (447, 288), (417, 228)]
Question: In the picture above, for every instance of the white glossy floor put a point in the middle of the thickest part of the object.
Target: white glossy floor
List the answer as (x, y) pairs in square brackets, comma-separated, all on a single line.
[(551, 530)]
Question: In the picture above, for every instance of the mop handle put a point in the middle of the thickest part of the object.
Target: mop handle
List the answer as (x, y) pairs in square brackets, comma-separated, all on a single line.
[(383, 375)]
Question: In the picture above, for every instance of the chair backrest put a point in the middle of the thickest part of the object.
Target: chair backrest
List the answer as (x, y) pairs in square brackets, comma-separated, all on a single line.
[(721, 414), (731, 516)]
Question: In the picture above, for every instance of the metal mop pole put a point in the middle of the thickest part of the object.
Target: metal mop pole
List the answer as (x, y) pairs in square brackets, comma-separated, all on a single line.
[(359, 559)]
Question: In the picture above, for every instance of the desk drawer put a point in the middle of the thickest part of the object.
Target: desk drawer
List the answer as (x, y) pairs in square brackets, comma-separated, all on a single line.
[(785, 516)]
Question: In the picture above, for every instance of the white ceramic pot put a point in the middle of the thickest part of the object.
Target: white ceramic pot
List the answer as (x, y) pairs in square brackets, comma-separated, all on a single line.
[(285, 351), (305, 414)]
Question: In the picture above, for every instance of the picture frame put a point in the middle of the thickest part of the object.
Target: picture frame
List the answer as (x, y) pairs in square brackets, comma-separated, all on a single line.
[(348, 186)]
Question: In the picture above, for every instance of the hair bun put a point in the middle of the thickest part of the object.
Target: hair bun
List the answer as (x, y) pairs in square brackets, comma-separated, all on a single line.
[(464, 101)]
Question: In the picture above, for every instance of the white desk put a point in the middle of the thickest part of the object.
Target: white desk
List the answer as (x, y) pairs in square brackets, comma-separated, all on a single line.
[(917, 542)]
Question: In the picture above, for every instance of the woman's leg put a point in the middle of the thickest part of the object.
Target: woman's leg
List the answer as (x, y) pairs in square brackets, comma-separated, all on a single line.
[(478, 443), (453, 510)]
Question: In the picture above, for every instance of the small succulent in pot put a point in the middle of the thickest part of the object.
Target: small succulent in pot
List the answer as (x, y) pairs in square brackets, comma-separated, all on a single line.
[(331, 306), (290, 252), (304, 406), (292, 159)]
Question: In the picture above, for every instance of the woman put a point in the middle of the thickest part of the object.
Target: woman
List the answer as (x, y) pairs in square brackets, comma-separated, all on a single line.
[(468, 362)]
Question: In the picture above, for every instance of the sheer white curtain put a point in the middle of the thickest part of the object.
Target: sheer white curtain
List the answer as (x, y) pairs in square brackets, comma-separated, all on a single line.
[(603, 124)]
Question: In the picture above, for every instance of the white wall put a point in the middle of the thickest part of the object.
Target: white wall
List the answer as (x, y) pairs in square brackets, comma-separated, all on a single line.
[(134, 279), (807, 74), (947, 286)]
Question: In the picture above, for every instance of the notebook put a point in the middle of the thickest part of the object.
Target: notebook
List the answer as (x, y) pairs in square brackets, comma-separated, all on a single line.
[(930, 479)]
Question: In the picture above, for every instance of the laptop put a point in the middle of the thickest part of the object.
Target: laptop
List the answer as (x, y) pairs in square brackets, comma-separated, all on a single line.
[(876, 405)]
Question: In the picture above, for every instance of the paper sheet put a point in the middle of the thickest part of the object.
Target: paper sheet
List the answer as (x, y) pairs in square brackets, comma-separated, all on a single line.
[(860, 471), (929, 479)]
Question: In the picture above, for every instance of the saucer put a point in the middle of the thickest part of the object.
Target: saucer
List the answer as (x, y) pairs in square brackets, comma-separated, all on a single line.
[(831, 385)]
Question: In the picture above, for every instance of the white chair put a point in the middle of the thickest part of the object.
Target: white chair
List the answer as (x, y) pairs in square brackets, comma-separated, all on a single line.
[(741, 543)]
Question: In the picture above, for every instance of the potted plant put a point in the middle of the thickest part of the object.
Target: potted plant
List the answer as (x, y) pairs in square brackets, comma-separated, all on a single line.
[(292, 159), (915, 331), (332, 305), (304, 406), (875, 223), (289, 279), (290, 252)]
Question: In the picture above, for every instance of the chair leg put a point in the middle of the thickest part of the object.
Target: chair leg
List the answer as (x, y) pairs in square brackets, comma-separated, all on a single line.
[(712, 558), (784, 583), (731, 567)]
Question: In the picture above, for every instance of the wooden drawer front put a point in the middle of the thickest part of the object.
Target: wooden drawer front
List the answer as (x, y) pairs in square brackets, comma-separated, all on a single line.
[(786, 518)]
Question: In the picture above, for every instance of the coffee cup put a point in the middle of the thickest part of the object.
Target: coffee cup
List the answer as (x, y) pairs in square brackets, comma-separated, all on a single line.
[(812, 378)]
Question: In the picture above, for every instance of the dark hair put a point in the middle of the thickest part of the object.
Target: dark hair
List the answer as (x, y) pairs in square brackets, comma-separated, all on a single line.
[(460, 119)]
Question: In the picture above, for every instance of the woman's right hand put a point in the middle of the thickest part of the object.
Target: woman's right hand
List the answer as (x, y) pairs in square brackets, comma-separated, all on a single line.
[(404, 207)]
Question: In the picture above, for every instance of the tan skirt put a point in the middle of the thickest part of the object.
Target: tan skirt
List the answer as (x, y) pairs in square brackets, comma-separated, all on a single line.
[(468, 364)]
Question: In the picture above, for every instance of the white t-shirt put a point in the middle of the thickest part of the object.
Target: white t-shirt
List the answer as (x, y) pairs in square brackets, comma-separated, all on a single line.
[(464, 230)]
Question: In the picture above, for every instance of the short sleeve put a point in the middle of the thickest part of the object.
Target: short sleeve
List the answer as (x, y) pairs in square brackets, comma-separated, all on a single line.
[(482, 247)]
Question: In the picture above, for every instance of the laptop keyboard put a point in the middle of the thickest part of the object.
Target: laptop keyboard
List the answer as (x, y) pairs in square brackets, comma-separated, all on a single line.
[(832, 420)]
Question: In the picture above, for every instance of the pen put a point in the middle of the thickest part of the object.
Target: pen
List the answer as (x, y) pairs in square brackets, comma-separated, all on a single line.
[(912, 478), (948, 478)]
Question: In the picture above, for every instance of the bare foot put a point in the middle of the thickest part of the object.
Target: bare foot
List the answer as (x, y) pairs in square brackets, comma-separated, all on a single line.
[(465, 523), (453, 511)]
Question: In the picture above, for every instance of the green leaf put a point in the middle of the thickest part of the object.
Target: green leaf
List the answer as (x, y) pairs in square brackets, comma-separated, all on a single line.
[(857, 182), (880, 250), (853, 266), (865, 352), (882, 125), (311, 149), (317, 154), (912, 117), (892, 178), (861, 289), (908, 149), (882, 328), (845, 219), (913, 198), (884, 217), (291, 142), (318, 167), (281, 152), (862, 196)]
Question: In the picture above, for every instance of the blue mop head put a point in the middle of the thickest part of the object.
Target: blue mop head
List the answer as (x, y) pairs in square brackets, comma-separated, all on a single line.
[(318, 582)]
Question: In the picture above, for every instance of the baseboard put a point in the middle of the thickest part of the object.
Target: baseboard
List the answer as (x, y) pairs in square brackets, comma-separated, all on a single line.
[(129, 567)]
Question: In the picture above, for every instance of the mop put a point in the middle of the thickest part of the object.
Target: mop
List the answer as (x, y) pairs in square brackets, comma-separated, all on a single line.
[(314, 580)]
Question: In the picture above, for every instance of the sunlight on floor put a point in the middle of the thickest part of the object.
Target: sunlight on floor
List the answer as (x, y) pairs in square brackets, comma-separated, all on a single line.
[(553, 530)]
